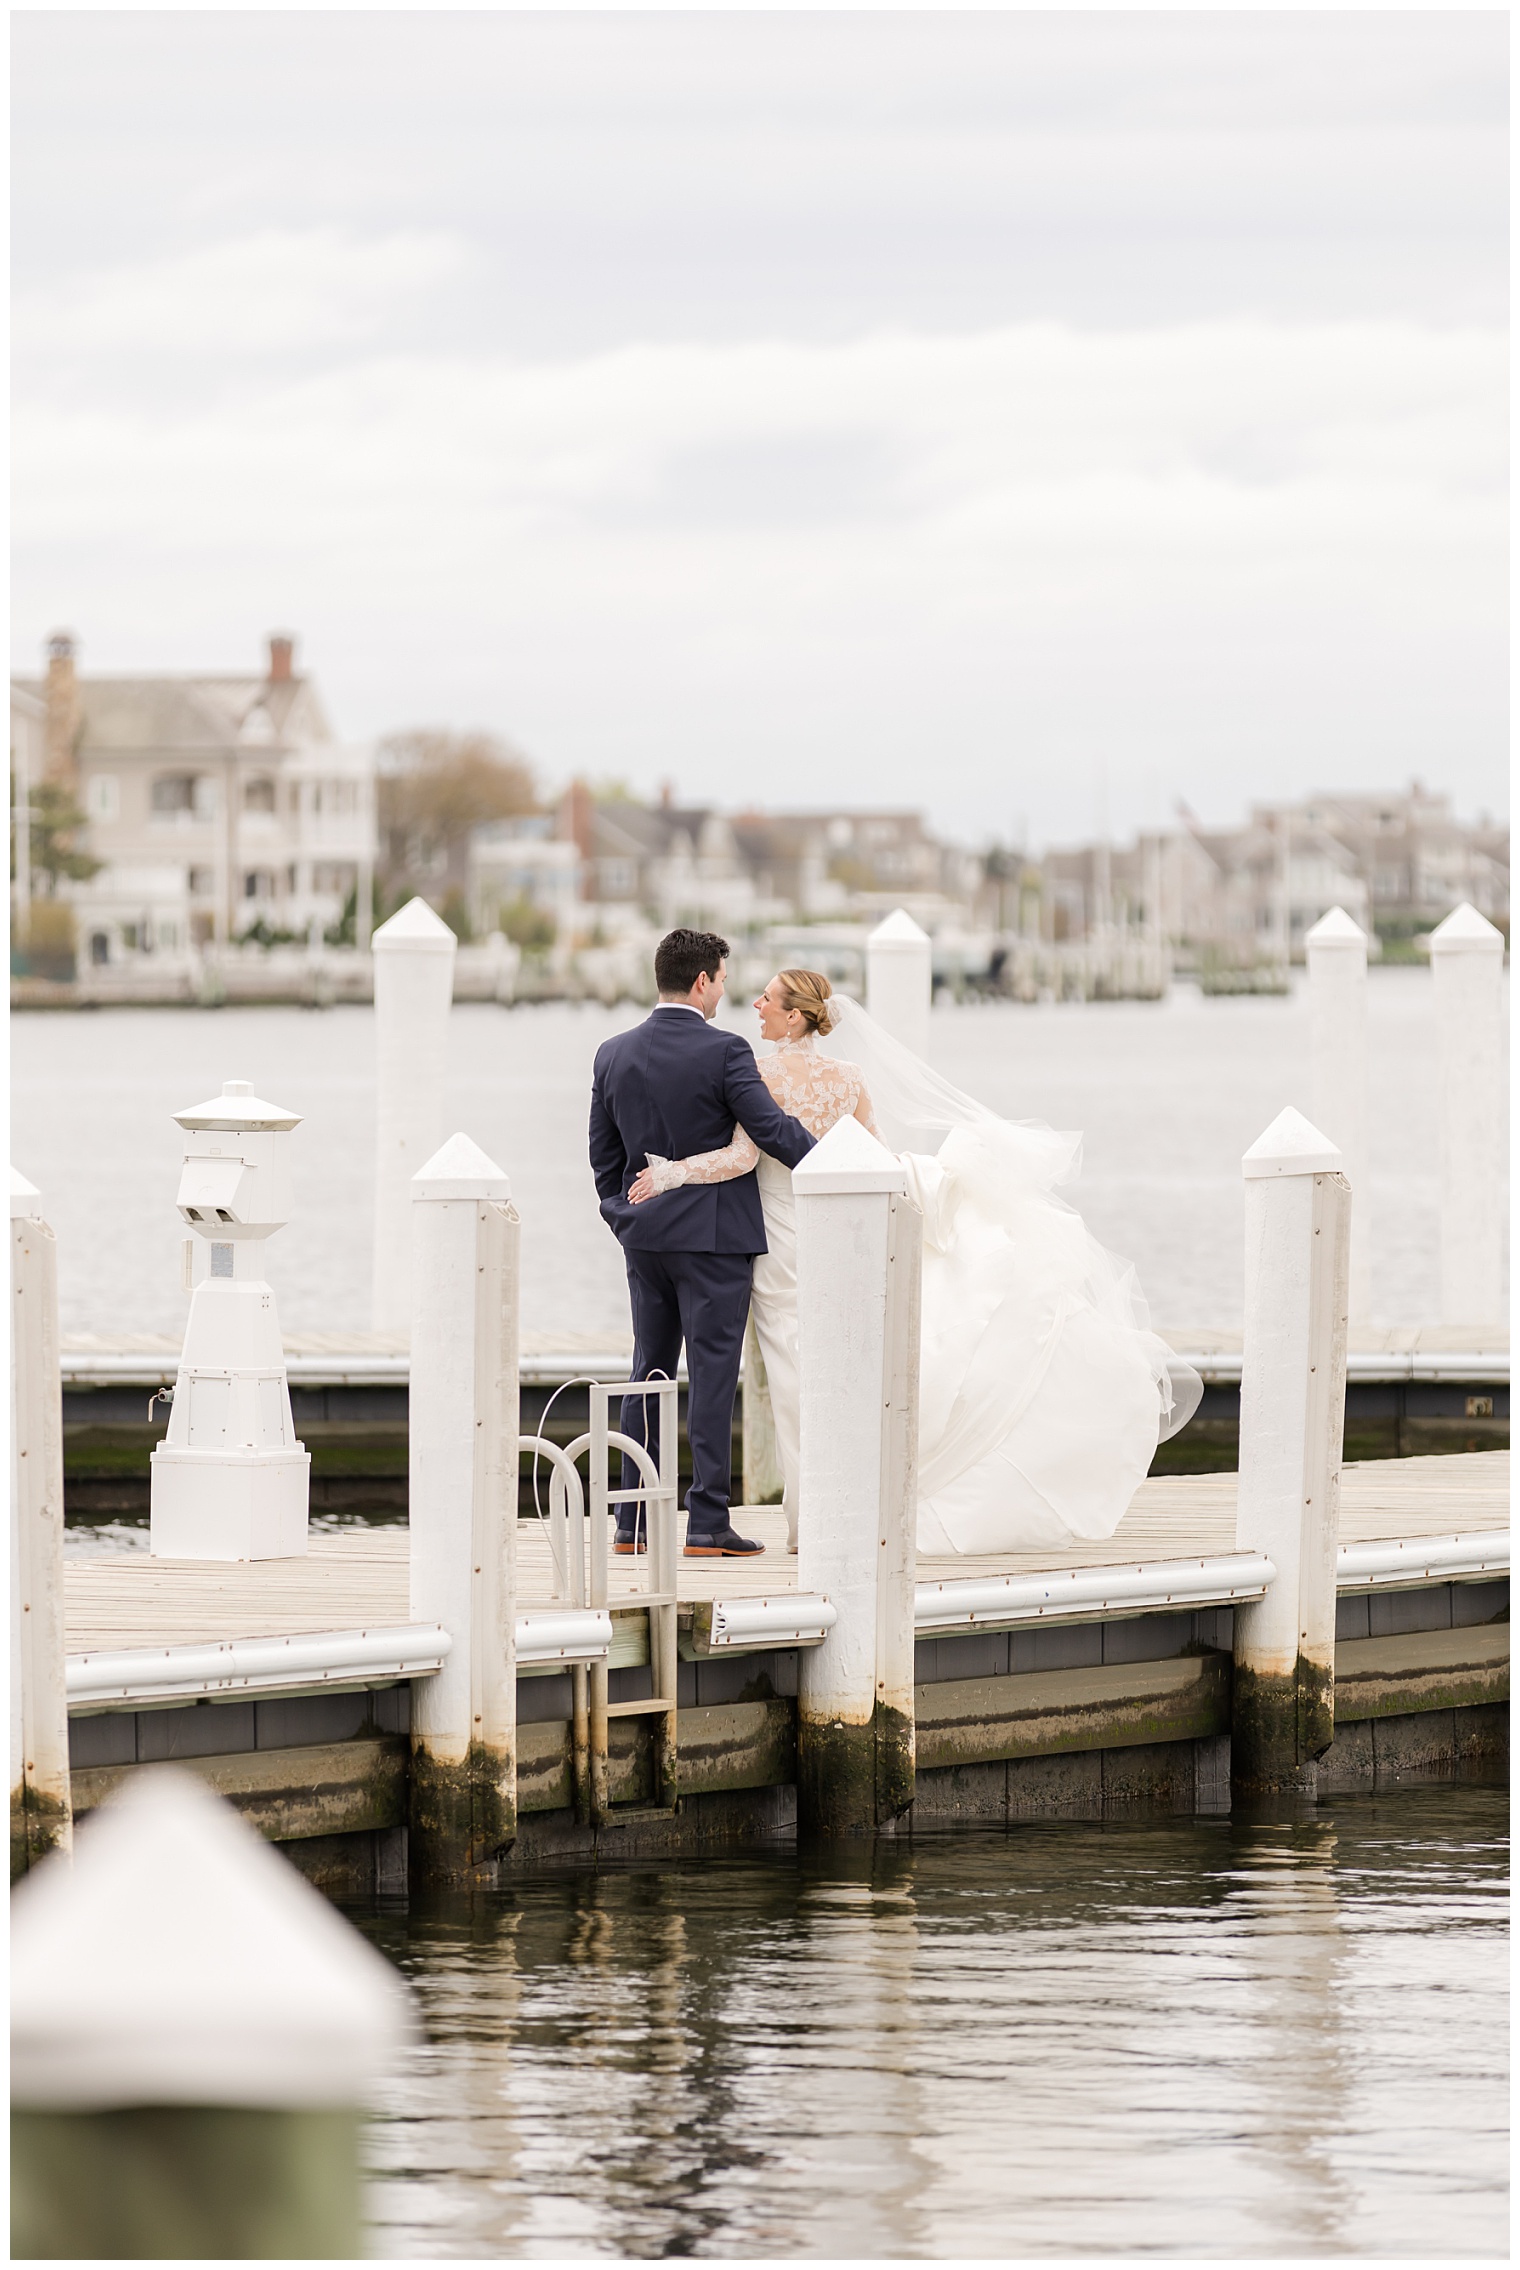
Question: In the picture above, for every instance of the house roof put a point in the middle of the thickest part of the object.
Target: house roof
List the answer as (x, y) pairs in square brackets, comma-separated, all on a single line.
[(195, 715)]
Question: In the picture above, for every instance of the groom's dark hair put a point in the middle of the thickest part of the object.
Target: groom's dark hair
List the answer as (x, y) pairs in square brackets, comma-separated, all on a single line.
[(682, 955)]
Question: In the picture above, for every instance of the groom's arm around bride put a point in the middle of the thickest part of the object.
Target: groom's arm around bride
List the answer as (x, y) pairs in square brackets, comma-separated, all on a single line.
[(672, 1086)]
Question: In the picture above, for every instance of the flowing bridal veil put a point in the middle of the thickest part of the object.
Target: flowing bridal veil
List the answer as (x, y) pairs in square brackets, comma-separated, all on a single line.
[(1043, 1390)]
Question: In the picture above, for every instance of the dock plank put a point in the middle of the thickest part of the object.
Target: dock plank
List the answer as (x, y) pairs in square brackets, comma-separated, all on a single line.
[(360, 1579)]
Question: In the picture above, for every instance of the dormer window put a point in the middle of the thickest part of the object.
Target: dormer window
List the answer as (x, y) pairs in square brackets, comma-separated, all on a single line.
[(258, 794)]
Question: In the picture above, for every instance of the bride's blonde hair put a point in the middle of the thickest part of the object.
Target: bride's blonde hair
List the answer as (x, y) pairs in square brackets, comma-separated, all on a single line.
[(808, 991)]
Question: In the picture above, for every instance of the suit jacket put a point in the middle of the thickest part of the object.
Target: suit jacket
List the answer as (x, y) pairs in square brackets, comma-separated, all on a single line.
[(676, 1085)]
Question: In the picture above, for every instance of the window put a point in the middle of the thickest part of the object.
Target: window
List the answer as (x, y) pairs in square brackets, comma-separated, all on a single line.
[(102, 796), (173, 792), (258, 883), (100, 948), (202, 882), (258, 794)]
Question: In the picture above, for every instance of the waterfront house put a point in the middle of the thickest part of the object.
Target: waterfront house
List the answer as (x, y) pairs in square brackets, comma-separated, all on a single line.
[(218, 806)]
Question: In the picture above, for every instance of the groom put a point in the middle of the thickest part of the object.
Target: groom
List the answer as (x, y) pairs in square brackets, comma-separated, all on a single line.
[(676, 1085)]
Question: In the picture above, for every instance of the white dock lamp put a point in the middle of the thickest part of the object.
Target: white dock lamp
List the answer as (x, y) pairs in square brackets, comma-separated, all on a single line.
[(230, 1481)]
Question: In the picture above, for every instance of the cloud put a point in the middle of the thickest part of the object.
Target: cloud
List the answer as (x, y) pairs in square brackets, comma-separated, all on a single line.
[(955, 570), (259, 297)]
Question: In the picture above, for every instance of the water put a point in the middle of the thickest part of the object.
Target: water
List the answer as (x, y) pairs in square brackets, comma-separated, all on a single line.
[(1199, 2037), (1169, 1095)]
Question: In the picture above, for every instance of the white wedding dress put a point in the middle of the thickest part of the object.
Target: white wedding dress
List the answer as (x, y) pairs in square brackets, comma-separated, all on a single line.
[(1043, 1391)]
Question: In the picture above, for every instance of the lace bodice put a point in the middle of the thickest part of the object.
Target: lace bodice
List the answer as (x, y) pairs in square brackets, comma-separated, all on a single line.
[(817, 1089)]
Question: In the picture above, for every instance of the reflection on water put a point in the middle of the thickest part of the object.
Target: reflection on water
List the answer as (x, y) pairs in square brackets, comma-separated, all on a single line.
[(1211, 2037)]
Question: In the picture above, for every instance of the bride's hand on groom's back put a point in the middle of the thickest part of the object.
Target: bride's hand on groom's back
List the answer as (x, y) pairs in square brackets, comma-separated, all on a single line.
[(641, 1187)]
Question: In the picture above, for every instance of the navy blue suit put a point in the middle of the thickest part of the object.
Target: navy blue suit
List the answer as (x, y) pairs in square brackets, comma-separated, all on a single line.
[(676, 1085)]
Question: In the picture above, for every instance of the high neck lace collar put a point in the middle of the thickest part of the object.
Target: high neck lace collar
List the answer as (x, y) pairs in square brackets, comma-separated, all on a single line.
[(805, 1044)]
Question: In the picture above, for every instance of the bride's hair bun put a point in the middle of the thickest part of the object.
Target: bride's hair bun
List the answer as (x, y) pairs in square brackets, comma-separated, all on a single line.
[(808, 991)]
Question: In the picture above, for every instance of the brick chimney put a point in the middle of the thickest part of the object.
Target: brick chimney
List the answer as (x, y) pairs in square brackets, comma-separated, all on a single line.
[(576, 818), (282, 648), (667, 795), (63, 721)]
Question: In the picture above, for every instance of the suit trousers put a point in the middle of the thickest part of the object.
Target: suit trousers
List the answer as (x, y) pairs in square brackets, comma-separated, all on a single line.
[(703, 1299)]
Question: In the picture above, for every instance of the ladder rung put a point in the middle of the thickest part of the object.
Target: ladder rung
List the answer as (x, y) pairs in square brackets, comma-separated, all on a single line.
[(639, 1709)]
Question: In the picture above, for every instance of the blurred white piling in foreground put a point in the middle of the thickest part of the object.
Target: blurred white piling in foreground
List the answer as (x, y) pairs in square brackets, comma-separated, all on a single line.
[(194, 2030), (900, 979), (463, 1430), (1335, 951), (1292, 1417), (1467, 959), (40, 1817), (414, 986), (859, 1253)]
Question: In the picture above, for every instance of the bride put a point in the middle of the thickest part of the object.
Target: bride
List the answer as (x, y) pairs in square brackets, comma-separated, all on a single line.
[(1043, 1391)]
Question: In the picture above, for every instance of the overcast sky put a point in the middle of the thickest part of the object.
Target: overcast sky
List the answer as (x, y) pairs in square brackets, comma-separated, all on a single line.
[(1031, 417)]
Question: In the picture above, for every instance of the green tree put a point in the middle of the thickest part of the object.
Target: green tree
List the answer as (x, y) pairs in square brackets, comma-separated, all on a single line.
[(56, 819), (529, 926)]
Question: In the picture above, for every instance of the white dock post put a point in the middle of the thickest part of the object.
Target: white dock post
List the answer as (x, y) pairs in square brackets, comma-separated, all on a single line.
[(900, 979), (1336, 953), (414, 987), (230, 1482), (1292, 1417), (463, 1509), (40, 1809), (1467, 959), (194, 2032), (859, 1254)]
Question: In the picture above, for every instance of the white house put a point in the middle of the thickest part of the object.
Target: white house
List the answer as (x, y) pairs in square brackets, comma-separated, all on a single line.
[(216, 805)]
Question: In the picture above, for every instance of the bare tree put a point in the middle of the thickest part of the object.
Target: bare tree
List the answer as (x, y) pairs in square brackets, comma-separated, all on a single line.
[(436, 786)]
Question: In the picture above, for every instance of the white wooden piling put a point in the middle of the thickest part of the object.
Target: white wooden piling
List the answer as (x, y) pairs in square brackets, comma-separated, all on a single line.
[(1292, 1416), (1335, 951), (463, 1430), (194, 2030), (414, 986), (900, 979), (1467, 959), (859, 1249), (40, 1810)]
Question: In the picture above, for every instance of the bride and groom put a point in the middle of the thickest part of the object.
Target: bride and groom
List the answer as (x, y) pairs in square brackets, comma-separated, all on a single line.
[(1043, 1392)]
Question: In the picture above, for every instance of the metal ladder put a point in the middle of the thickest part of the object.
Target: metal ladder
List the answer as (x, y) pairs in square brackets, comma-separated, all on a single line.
[(579, 1548)]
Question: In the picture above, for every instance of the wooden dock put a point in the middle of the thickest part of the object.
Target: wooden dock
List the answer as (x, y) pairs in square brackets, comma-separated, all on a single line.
[(359, 1582)]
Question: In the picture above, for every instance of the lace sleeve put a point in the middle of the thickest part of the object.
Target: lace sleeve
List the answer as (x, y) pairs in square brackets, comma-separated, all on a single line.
[(736, 1158), (866, 1115)]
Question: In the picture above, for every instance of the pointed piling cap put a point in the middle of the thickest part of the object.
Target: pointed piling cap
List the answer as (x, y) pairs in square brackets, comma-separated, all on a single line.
[(898, 932), (176, 1959), (1465, 931), (237, 1111), (1337, 931), (460, 1170), (1291, 1145), (849, 1158), (416, 929), (26, 1198)]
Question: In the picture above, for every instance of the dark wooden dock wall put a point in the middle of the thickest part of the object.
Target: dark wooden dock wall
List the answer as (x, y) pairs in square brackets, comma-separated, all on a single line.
[(1073, 1721), (357, 1436)]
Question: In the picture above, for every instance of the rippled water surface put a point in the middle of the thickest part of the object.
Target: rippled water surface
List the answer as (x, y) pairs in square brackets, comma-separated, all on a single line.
[(1204, 2037)]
